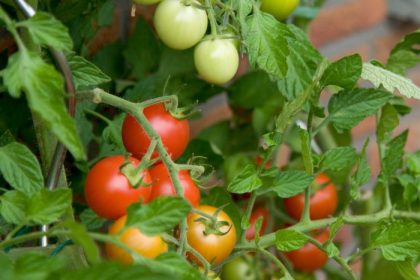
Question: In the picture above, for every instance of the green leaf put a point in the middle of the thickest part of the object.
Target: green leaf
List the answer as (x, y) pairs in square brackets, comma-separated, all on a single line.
[(91, 220), (178, 266), (401, 61), (302, 62), (332, 250), (398, 240), (388, 122), (85, 73), (159, 215), (244, 7), (395, 151), (349, 107), (267, 45), (390, 81), (6, 138), (44, 90), (335, 227), (142, 50), (6, 265), (289, 240), (42, 207), (80, 236), (289, 183), (409, 42), (20, 168), (37, 265), (44, 29), (406, 270), (413, 162), (343, 73), (338, 159), (306, 151), (361, 175), (246, 181)]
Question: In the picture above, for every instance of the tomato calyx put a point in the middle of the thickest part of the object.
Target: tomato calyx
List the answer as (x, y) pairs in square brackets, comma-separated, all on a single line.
[(135, 174), (214, 227)]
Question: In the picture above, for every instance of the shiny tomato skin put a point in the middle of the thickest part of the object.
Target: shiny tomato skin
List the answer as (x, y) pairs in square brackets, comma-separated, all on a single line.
[(109, 193), (174, 133), (258, 212), (309, 258), (178, 25), (279, 9), (147, 246), (162, 184), (322, 204), (216, 60), (214, 248)]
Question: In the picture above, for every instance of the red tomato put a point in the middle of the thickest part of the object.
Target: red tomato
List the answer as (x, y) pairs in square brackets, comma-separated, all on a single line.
[(107, 190), (147, 246), (309, 258), (322, 204), (173, 132), (259, 160), (258, 212), (162, 184)]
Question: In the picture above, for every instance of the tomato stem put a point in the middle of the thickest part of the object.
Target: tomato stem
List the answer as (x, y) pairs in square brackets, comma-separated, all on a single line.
[(212, 18)]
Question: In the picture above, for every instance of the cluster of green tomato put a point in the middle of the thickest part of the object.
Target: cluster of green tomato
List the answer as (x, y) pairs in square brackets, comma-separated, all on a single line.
[(183, 24)]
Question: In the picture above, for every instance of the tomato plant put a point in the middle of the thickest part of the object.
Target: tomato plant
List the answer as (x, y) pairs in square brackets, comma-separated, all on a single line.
[(180, 25), (108, 191), (162, 184), (173, 132), (214, 240), (147, 246), (81, 90), (322, 203)]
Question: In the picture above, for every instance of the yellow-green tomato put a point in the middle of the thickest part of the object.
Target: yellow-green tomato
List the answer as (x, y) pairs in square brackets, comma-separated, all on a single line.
[(180, 26), (281, 9), (146, 2), (216, 60)]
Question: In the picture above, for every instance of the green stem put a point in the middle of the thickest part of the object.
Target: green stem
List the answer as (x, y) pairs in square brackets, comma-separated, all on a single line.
[(248, 211), (200, 258), (276, 261), (204, 214), (212, 18), (320, 126)]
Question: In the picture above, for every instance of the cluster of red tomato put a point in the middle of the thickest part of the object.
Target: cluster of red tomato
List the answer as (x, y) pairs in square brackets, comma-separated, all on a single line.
[(109, 193)]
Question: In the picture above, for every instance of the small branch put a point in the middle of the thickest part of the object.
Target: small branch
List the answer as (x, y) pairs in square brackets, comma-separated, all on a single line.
[(276, 261), (248, 211), (212, 18)]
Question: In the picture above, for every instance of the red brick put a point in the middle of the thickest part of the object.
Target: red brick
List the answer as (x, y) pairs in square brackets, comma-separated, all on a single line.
[(341, 20)]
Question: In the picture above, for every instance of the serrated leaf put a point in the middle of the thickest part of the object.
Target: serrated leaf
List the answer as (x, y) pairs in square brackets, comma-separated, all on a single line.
[(413, 162), (362, 174), (390, 81), (349, 107), (44, 29), (289, 183), (338, 159), (80, 235), (44, 89), (343, 73), (246, 181), (178, 266), (302, 63), (409, 42), (42, 207), (401, 61), (395, 151), (85, 73), (289, 240), (159, 215), (399, 240), (266, 43), (91, 220), (388, 121), (244, 7), (20, 168), (332, 250), (335, 227)]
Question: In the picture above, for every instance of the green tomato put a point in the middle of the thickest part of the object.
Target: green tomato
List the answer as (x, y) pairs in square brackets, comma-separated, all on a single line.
[(179, 26), (146, 2), (239, 269), (216, 60), (281, 9)]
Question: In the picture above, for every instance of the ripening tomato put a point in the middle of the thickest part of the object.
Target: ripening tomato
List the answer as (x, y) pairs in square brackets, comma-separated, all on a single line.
[(216, 60), (180, 25), (109, 193), (258, 212), (174, 133), (146, 2), (147, 246), (280, 9), (322, 204), (214, 247), (239, 268), (309, 258), (162, 184)]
